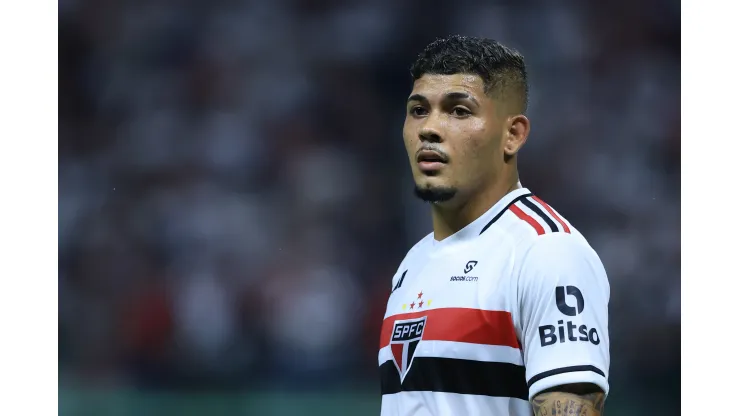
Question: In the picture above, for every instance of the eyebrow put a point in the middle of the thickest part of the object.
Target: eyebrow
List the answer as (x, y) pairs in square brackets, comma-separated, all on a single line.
[(417, 97), (461, 96), (448, 96)]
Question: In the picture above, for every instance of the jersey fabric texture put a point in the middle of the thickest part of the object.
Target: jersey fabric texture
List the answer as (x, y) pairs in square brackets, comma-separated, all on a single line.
[(480, 322)]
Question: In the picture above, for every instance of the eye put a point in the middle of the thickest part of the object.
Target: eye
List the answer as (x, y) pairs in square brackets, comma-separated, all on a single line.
[(417, 111), (461, 112)]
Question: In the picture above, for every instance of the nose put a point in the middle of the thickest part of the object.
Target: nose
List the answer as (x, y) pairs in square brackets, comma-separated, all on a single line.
[(430, 131)]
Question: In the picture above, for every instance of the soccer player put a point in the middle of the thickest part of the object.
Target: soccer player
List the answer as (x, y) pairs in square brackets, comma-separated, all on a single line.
[(502, 309)]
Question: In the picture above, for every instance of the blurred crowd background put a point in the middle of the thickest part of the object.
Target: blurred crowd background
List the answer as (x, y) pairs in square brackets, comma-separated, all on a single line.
[(234, 194)]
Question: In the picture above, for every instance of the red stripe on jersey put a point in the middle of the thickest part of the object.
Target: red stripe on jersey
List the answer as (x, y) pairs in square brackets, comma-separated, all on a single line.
[(554, 215), (531, 221), (475, 326)]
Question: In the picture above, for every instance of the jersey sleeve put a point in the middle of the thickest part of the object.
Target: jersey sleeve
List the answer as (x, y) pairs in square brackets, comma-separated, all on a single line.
[(563, 296)]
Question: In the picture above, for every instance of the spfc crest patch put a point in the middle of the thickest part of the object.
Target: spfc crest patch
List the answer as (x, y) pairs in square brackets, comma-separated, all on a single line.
[(406, 336)]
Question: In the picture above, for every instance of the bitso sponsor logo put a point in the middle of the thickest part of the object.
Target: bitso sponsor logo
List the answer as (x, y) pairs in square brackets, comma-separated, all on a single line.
[(550, 335), (563, 307), (568, 331)]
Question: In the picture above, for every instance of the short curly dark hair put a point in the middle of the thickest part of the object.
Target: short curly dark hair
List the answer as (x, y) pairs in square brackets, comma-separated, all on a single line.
[(501, 68)]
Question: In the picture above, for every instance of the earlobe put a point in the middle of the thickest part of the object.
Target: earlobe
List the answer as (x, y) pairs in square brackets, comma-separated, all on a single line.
[(516, 135)]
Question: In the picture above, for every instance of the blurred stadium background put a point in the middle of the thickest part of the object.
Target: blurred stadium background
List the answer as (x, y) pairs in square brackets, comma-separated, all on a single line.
[(234, 196)]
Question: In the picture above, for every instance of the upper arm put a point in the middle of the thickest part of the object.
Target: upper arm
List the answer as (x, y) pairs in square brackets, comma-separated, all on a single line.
[(563, 296)]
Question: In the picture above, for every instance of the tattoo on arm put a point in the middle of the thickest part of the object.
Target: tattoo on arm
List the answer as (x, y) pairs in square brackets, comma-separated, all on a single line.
[(563, 402)]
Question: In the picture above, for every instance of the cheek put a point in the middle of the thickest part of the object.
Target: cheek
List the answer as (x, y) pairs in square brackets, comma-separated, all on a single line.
[(474, 147), (475, 135), (411, 139), (480, 153), (406, 135)]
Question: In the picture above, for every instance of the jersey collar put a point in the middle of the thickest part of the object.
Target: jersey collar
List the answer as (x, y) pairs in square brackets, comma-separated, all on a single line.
[(482, 223)]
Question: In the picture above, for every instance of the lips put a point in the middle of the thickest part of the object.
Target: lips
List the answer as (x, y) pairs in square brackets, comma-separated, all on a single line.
[(430, 156), (431, 162)]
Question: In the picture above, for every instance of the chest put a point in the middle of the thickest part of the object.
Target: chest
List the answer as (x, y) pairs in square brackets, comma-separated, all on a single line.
[(472, 279), (452, 307)]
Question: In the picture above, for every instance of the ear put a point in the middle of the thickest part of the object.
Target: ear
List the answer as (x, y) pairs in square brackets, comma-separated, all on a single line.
[(516, 134)]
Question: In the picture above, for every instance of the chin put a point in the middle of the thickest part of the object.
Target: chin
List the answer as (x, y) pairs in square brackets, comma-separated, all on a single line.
[(434, 193)]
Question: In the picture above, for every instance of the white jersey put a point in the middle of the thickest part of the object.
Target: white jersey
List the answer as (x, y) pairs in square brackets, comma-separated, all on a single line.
[(479, 323)]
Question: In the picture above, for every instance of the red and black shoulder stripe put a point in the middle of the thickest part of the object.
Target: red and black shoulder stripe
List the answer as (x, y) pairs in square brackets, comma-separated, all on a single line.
[(539, 215)]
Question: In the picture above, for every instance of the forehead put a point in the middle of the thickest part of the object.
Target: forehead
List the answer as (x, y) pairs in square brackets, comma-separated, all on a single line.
[(431, 85)]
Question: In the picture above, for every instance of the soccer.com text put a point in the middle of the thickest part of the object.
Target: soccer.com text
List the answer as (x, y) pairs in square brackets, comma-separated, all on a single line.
[(464, 279)]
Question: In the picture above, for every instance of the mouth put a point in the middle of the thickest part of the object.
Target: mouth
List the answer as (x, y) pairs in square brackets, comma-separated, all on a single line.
[(430, 161)]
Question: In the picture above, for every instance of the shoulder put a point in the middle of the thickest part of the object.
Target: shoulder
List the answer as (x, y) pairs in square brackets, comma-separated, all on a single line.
[(417, 251), (561, 259), (421, 246), (548, 245), (529, 217), (556, 250), (534, 228)]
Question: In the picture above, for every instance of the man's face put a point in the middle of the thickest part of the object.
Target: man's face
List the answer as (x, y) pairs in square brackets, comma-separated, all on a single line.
[(453, 136)]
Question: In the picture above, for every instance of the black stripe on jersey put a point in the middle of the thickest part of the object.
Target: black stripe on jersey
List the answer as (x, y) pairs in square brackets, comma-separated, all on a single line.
[(517, 199), (550, 223), (400, 281), (450, 375), (562, 370)]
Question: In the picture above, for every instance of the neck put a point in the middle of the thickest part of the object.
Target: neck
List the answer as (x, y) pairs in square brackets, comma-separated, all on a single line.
[(447, 219)]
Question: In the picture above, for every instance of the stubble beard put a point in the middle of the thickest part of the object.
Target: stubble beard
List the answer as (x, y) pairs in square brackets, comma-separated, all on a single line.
[(434, 194)]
